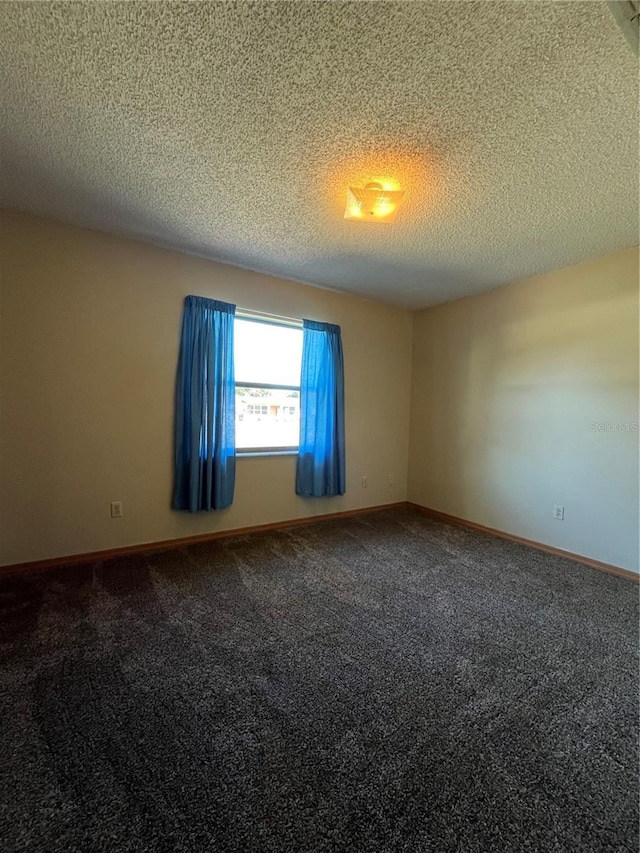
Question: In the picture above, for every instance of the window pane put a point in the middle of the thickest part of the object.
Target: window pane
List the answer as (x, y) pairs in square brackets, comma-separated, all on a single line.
[(267, 354), (267, 417)]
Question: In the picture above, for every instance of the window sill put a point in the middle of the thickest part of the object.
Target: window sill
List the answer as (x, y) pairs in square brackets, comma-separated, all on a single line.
[(240, 454)]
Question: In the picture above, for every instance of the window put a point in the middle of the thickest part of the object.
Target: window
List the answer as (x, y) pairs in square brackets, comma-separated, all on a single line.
[(257, 410), (267, 358)]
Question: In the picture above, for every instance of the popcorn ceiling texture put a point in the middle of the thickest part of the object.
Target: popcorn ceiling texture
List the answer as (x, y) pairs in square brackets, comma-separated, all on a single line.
[(233, 130)]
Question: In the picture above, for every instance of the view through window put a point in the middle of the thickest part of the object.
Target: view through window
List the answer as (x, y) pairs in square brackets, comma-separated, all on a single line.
[(267, 366)]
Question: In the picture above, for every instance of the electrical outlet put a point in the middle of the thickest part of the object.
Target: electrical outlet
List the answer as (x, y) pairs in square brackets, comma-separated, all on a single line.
[(365, 481), (116, 509), (390, 479), (558, 512)]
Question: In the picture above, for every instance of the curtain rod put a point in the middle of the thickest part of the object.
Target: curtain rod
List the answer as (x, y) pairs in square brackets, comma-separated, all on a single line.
[(274, 318)]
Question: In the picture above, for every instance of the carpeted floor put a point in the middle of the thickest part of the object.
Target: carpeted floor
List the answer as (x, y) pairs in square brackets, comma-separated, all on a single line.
[(378, 684)]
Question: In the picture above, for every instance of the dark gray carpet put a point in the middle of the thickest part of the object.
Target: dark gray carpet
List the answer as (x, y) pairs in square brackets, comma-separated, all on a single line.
[(382, 683)]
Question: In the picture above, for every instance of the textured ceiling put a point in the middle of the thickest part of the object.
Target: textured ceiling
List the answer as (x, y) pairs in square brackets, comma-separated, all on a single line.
[(233, 130)]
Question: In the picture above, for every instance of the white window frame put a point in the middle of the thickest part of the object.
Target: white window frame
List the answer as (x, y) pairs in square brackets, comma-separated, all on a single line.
[(268, 320)]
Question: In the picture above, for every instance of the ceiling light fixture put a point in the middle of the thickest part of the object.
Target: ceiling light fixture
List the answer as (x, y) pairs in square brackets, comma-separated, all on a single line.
[(373, 203), (627, 14)]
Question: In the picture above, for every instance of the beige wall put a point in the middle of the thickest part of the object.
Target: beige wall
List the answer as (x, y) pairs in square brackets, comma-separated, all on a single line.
[(505, 389), (89, 340)]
